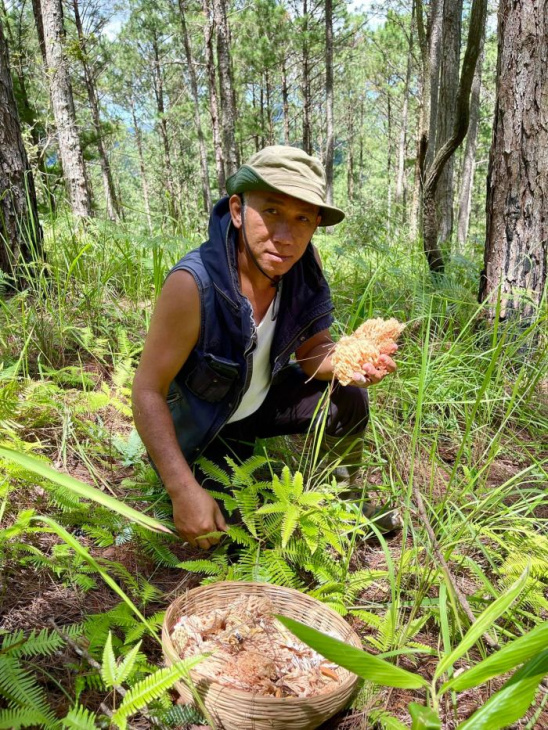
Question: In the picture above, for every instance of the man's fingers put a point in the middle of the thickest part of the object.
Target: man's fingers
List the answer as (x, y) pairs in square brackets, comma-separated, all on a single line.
[(388, 363), (220, 521), (204, 543)]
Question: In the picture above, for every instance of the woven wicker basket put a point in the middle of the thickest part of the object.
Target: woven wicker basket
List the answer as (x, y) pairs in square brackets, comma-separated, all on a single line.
[(234, 709)]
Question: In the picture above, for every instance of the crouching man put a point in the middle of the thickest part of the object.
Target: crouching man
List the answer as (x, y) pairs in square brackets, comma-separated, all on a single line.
[(215, 373)]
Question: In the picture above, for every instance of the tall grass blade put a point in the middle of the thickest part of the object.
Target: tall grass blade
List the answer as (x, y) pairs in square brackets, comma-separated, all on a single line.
[(83, 490), (355, 660), (511, 701), (482, 624)]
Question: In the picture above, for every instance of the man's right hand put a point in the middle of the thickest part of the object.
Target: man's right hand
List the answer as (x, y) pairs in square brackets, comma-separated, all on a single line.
[(196, 513)]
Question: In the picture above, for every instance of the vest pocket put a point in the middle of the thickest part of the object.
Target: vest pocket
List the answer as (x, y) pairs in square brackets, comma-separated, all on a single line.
[(212, 377)]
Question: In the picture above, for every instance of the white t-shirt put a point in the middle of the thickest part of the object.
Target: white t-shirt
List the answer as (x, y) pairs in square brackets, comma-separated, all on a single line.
[(261, 374)]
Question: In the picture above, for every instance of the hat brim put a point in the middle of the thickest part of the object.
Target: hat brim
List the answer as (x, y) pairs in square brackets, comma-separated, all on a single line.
[(246, 179)]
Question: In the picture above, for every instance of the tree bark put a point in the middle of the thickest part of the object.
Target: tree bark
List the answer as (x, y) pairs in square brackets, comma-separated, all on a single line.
[(206, 191), (213, 101), (70, 150), (305, 84), (285, 103), (468, 165), (113, 208), (228, 107), (158, 83), (433, 173), (517, 187), (330, 141), (400, 175), (20, 232), (142, 166), (449, 83)]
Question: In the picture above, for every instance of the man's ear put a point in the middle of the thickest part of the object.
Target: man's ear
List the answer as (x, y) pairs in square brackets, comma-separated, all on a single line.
[(235, 206)]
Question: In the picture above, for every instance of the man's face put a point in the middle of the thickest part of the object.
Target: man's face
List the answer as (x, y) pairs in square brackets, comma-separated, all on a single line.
[(278, 228)]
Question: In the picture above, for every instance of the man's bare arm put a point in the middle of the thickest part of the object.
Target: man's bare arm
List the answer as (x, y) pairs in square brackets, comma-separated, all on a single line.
[(173, 333)]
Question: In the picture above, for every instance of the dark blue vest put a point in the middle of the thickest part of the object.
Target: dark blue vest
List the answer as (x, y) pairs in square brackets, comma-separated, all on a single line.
[(210, 385)]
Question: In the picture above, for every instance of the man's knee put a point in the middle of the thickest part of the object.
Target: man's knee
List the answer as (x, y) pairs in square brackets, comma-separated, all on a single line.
[(349, 411)]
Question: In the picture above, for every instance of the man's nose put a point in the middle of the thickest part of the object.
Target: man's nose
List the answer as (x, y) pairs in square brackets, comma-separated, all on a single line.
[(283, 233)]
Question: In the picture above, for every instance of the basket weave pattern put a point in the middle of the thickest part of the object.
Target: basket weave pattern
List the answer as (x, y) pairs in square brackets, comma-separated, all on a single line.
[(235, 709)]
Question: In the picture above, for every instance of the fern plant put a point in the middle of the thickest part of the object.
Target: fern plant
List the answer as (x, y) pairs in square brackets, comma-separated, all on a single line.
[(290, 534)]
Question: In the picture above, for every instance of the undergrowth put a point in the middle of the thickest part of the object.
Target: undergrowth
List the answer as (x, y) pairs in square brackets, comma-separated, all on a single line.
[(463, 422)]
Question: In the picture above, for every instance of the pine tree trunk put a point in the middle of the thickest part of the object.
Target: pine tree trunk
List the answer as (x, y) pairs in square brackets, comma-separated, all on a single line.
[(400, 175), (468, 165), (305, 86), (433, 172), (517, 189), (158, 82), (285, 103), (449, 84), (113, 208), (330, 141), (20, 232), (206, 191), (142, 166), (70, 150), (213, 101), (228, 107)]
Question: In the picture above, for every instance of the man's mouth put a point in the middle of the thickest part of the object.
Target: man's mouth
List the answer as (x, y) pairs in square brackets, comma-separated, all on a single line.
[(277, 257)]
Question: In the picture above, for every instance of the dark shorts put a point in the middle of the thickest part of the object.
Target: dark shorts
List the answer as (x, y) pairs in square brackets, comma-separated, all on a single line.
[(291, 407)]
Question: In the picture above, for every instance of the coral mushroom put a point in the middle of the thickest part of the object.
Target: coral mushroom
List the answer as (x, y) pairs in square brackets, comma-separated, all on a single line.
[(375, 337)]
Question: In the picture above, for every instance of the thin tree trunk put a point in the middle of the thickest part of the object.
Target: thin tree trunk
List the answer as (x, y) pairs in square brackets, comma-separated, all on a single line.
[(228, 107), (20, 232), (213, 101), (285, 103), (158, 83), (305, 87), (477, 25), (330, 139), (435, 34), (516, 247), (206, 191), (70, 150), (389, 161), (468, 165), (268, 89), (400, 175), (37, 12), (142, 166), (113, 208), (449, 83)]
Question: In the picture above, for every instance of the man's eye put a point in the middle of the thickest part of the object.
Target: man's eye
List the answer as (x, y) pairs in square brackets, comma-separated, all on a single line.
[(273, 211), (304, 219)]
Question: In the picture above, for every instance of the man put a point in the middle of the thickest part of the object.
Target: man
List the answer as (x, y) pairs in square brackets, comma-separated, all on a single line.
[(214, 373)]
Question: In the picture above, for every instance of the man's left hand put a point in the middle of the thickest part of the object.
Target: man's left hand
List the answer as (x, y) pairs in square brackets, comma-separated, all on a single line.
[(372, 375)]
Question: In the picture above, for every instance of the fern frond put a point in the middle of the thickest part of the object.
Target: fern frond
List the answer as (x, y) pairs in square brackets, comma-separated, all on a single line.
[(20, 687), (290, 523), (79, 718), (214, 472), (14, 719), (239, 535), (150, 688), (43, 643), (201, 566), (108, 665)]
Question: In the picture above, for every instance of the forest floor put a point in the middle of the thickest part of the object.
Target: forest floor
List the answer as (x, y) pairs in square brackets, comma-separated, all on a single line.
[(36, 599), (462, 424)]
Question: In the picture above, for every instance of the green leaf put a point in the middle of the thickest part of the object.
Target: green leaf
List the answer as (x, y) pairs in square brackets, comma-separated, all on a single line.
[(127, 665), (79, 718), (355, 660), (83, 490), (108, 665), (17, 718), (482, 624), (290, 522), (424, 718), (513, 699), (151, 688), (272, 509), (514, 653)]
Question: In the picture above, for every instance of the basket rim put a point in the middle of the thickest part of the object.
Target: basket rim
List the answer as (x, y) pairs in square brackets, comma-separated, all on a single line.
[(213, 686)]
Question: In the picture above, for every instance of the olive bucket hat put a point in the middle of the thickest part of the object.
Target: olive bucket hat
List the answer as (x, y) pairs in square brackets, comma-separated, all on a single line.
[(288, 170)]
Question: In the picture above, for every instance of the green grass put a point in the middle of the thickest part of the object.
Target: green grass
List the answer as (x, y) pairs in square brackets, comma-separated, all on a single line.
[(463, 421)]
